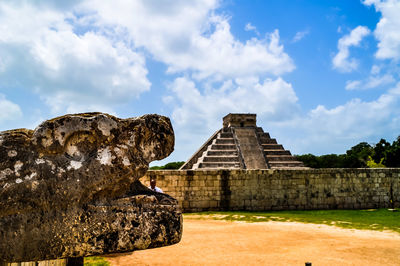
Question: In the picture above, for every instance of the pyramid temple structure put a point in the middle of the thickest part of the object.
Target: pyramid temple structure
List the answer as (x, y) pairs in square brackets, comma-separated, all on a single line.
[(240, 144)]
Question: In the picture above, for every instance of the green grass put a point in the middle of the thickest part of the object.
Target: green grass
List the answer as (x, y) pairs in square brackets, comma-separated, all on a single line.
[(95, 261), (374, 219)]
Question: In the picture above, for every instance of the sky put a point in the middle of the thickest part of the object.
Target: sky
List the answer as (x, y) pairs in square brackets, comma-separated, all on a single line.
[(322, 76)]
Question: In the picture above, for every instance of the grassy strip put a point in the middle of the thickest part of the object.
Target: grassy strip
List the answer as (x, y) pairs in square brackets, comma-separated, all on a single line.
[(374, 219), (95, 261)]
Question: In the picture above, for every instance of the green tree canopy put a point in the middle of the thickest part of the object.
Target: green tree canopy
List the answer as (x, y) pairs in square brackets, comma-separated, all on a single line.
[(382, 154), (168, 166), (392, 154)]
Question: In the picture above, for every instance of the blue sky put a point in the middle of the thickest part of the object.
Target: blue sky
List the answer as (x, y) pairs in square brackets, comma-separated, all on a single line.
[(322, 76)]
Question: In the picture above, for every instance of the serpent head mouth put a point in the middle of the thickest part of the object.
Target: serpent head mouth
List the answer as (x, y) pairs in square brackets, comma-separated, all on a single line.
[(139, 219)]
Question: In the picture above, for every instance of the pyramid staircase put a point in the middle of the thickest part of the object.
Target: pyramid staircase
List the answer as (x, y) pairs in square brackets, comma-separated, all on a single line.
[(275, 155), (222, 153), (241, 145)]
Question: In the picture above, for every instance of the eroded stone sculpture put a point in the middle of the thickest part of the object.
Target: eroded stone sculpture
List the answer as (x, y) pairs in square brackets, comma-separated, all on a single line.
[(70, 188)]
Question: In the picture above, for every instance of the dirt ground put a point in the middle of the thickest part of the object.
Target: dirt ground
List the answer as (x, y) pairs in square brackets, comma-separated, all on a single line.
[(210, 242)]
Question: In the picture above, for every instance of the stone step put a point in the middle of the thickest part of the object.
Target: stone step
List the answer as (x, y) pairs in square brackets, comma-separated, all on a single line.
[(279, 164), (244, 133), (219, 165), (222, 152), (223, 147), (221, 159), (271, 146), (225, 141), (280, 158), (265, 140), (226, 135), (263, 135), (277, 152), (290, 168)]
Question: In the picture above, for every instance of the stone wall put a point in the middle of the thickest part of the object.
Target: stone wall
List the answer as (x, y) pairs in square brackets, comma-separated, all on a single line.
[(257, 190)]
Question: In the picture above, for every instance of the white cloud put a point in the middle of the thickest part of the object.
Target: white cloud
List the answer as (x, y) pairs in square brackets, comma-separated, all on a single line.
[(371, 82), (300, 35), (375, 70), (353, 84), (189, 36), (370, 2), (40, 50), (250, 27), (9, 110), (84, 54), (387, 30), (197, 114), (377, 81), (273, 98), (338, 128), (341, 61)]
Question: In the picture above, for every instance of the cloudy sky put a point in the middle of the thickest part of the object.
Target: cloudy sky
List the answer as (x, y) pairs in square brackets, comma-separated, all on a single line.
[(321, 76)]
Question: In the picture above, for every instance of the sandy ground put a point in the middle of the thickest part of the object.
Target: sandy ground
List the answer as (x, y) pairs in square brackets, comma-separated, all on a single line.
[(210, 242)]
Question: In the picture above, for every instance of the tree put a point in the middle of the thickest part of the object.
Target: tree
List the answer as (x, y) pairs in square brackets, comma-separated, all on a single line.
[(331, 161), (382, 154), (309, 160), (380, 151), (392, 158), (358, 155), (372, 164), (168, 166), (323, 161)]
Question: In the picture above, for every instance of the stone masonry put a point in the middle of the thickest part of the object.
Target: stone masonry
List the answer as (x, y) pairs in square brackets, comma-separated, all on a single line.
[(240, 144), (284, 189)]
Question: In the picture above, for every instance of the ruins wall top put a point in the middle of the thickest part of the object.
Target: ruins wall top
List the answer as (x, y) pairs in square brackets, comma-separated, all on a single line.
[(239, 120)]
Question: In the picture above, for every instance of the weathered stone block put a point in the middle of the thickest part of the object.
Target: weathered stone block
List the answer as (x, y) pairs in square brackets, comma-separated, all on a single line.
[(70, 188)]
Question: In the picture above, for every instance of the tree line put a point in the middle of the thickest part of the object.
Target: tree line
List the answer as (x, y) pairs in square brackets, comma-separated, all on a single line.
[(168, 166), (381, 154)]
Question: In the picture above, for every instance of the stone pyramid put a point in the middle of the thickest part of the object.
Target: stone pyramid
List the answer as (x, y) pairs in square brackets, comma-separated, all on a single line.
[(240, 144)]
